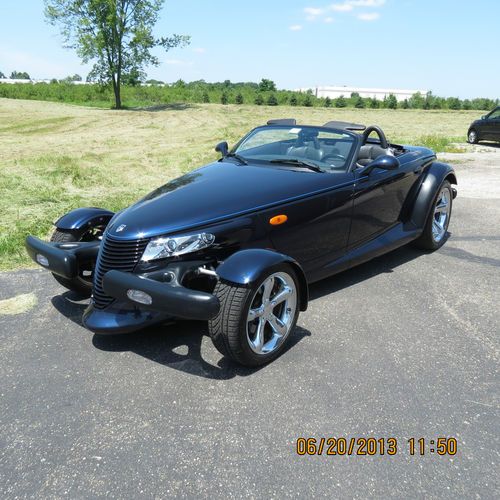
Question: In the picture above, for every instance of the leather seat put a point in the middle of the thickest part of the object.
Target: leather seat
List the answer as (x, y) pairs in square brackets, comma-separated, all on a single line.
[(370, 152), (307, 151)]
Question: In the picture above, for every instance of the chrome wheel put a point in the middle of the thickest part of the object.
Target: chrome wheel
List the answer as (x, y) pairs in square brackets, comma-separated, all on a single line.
[(272, 313), (472, 137), (441, 215)]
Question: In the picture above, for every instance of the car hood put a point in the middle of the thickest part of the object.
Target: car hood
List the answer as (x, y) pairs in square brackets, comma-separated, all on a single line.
[(216, 192)]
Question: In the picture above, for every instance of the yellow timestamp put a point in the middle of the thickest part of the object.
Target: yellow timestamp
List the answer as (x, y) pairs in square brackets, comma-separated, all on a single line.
[(362, 446)]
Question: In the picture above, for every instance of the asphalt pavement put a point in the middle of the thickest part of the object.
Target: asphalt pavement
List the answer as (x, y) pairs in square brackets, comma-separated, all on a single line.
[(404, 346)]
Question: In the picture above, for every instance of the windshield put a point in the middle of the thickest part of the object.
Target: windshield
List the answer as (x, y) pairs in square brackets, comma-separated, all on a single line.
[(330, 150)]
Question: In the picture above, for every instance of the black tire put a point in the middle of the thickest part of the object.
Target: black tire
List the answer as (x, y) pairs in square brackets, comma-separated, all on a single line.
[(79, 285), (427, 240), (472, 136), (228, 330)]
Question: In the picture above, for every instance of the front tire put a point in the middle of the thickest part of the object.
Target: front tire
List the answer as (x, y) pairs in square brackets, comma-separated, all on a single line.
[(254, 323), (472, 137), (436, 227)]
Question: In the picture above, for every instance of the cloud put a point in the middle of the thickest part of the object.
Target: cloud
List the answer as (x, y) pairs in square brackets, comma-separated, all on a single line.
[(368, 16), (295, 27), (341, 7), (347, 6), (199, 50)]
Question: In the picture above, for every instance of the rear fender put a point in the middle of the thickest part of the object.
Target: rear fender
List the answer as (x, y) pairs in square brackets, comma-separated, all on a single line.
[(435, 176), (83, 218), (248, 266)]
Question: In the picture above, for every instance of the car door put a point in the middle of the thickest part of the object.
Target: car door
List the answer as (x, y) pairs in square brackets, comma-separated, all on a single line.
[(490, 126), (379, 198), (495, 124), (317, 229)]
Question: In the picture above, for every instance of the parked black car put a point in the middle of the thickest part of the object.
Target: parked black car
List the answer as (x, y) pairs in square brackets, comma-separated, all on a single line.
[(238, 241), (485, 129)]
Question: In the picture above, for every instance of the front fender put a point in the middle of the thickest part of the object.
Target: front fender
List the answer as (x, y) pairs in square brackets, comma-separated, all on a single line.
[(437, 173), (81, 218), (247, 266)]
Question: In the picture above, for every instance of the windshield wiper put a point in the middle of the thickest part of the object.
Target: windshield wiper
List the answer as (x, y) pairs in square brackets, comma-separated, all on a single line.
[(236, 156), (299, 163)]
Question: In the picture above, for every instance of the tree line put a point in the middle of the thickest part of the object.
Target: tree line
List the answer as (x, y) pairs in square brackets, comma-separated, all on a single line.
[(264, 93)]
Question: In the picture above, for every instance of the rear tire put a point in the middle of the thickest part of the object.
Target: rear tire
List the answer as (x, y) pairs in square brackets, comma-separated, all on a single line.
[(254, 323), (436, 227), (80, 285)]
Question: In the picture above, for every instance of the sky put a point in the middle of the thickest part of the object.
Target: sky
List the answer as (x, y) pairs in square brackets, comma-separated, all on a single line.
[(449, 47)]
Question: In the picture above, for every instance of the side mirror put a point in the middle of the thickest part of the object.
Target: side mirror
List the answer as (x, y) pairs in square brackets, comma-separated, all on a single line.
[(222, 148), (384, 162)]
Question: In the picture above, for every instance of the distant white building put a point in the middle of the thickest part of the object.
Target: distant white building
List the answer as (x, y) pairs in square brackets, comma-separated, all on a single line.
[(334, 92)]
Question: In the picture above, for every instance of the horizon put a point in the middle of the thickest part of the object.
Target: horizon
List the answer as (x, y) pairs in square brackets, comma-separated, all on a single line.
[(299, 45)]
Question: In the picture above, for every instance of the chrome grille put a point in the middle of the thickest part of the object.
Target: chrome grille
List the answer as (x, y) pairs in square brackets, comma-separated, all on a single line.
[(122, 255)]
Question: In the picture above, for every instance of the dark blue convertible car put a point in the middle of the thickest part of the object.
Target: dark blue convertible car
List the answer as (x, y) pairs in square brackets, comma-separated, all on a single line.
[(238, 241)]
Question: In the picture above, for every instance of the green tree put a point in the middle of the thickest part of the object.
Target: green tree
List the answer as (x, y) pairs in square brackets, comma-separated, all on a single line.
[(117, 35), (239, 98), (272, 101), (373, 103), (20, 75), (154, 82), (405, 104), (392, 102), (328, 102), (340, 102), (466, 104), (359, 102), (293, 100), (224, 98), (308, 102), (416, 101), (259, 100), (453, 103), (205, 97), (2, 75), (266, 85)]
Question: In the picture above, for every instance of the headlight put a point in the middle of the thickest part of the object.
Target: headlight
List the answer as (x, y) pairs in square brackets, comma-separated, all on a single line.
[(161, 248)]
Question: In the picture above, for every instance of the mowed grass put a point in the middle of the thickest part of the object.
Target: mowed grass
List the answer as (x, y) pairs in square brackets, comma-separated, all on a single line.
[(56, 157)]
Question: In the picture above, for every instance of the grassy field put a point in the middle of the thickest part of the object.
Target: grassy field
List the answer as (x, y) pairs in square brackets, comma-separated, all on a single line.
[(55, 157)]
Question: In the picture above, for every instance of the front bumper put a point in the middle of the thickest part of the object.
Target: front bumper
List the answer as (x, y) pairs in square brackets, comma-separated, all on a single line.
[(61, 258), (168, 299)]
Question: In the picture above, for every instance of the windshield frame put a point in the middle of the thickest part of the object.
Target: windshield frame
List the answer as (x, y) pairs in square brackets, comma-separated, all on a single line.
[(349, 160)]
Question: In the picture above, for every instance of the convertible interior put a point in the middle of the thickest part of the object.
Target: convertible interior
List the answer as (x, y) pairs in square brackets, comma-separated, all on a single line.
[(325, 145)]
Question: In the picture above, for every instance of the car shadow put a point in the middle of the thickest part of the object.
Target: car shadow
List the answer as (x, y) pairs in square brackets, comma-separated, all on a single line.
[(177, 345)]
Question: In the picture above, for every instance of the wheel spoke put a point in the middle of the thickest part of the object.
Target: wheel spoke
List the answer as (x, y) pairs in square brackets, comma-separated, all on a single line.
[(436, 229), (268, 288), (277, 325), (259, 335), (282, 296), (255, 313), (442, 206)]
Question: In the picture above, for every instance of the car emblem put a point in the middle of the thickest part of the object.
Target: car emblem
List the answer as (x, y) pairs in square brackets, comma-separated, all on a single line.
[(120, 228)]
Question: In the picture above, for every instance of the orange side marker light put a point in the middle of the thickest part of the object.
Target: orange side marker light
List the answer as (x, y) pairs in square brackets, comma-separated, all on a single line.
[(278, 219)]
